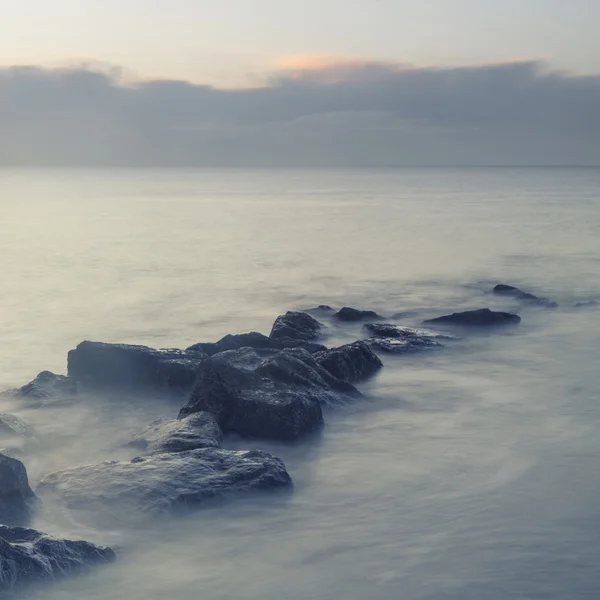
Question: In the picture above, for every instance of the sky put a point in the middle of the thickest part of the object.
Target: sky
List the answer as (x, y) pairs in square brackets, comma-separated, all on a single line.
[(329, 82)]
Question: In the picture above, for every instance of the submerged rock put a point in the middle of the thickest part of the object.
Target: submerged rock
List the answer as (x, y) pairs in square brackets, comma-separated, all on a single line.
[(297, 326), (11, 426), (199, 430), (28, 556), (588, 304), (352, 362), (164, 482), (98, 364), (253, 340), (514, 292), (483, 317), (397, 339), (352, 314), (266, 394), (17, 499)]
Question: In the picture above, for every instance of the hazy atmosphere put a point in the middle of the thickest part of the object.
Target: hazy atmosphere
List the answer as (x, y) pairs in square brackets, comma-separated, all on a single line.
[(268, 83)]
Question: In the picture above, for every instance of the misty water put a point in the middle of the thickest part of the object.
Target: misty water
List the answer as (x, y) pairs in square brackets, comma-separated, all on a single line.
[(468, 473)]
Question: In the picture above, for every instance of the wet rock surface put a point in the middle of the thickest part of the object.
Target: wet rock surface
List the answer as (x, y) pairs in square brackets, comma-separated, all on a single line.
[(352, 362), (17, 500), (46, 387), (163, 483), (11, 426), (266, 394), (483, 317), (101, 365), (397, 339), (296, 326), (199, 430), (28, 556), (350, 315)]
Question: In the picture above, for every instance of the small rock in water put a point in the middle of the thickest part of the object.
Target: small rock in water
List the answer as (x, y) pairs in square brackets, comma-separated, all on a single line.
[(46, 387), (199, 430), (17, 500), (508, 290), (483, 317), (297, 326), (352, 362), (28, 556), (162, 483), (11, 426), (349, 315)]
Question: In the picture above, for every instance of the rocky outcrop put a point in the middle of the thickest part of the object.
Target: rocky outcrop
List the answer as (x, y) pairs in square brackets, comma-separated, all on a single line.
[(396, 339), (352, 362), (513, 292), (296, 326), (254, 340), (199, 430), (100, 365), (350, 315), (46, 387), (17, 499), (266, 394), (28, 556), (162, 483), (483, 317)]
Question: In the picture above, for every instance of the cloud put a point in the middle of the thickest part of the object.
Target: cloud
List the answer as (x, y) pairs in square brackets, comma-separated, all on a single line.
[(312, 110)]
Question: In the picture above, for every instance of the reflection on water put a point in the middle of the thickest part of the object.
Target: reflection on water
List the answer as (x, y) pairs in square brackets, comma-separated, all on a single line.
[(464, 474)]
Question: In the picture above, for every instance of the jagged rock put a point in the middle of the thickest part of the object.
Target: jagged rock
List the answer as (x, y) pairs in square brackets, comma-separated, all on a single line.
[(352, 314), (165, 482), (98, 364), (514, 292), (17, 499), (28, 556), (253, 340), (199, 430), (11, 426), (297, 326), (266, 394), (352, 362), (45, 387), (396, 339), (483, 317)]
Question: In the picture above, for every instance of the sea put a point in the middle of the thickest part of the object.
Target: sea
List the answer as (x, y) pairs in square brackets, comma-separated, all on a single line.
[(469, 473)]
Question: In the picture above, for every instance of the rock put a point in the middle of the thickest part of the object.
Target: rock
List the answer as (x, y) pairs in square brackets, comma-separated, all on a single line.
[(297, 326), (588, 304), (352, 362), (514, 292), (397, 339), (28, 556), (17, 499), (253, 340), (348, 314), (97, 364), (265, 393), (483, 317), (199, 430), (46, 386), (11, 426), (165, 482)]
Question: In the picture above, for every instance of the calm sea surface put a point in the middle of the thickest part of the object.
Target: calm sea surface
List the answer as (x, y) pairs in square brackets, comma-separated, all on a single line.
[(467, 474)]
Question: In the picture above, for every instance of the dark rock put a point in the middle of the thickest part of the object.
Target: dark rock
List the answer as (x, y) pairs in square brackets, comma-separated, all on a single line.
[(483, 317), (11, 426), (297, 326), (588, 304), (266, 394), (514, 292), (28, 556), (348, 314), (253, 340), (199, 430), (352, 362), (47, 386), (17, 499), (97, 364), (165, 482), (396, 339)]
